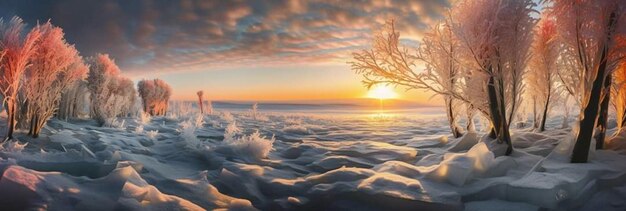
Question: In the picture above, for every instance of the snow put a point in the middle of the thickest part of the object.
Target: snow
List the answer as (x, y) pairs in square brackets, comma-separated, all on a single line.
[(232, 161)]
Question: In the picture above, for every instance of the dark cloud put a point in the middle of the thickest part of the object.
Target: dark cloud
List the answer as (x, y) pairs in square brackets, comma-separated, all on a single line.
[(167, 35)]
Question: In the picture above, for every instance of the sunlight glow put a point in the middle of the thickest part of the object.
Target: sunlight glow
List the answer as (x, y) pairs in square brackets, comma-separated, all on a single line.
[(382, 92)]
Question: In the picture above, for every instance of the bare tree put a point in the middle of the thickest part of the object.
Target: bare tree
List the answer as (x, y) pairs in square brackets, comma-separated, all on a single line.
[(17, 51)]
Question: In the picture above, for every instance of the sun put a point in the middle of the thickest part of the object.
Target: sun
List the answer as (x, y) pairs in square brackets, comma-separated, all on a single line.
[(382, 92)]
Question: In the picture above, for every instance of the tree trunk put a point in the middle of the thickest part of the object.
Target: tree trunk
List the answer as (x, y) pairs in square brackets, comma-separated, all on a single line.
[(33, 121), (544, 118), (580, 153), (535, 120), (623, 120), (11, 118), (492, 132), (470, 121), (604, 113), (589, 117), (498, 115), (456, 131)]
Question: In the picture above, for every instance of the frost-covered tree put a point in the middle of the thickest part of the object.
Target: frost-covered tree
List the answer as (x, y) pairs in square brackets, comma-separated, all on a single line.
[(110, 93), (497, 37), (55, 66), (591, 30), (388, 62), (74, 100), (200, 101), (543, 67), (619, 97), (155, 95), (17, 50), (127, 91)]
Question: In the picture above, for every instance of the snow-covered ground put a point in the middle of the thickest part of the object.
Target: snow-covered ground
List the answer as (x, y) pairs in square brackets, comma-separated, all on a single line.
[(290, 161)]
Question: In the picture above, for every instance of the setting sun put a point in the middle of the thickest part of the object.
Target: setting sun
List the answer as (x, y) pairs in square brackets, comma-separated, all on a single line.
[(382, 92)]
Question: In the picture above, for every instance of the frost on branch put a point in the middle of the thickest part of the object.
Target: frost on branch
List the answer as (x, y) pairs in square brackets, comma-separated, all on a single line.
[(155, 95)]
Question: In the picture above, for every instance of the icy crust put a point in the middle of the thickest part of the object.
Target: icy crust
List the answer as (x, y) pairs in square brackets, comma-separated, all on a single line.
[(235, 161)]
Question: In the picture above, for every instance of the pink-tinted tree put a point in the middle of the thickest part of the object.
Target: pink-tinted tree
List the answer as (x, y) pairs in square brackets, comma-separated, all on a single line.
[(496, 36), (55, 66), (17, 49), (155, 95), (542, 76), (591, 30)]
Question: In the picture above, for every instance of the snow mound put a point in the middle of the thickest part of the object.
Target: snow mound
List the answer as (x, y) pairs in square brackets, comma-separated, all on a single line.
[(459, 168)]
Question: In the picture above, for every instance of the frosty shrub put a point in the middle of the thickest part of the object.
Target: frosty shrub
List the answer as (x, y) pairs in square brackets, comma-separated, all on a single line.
[(209, 107), (152, 134), (144, 118), (252, 147), (187, 130), (227, 116), (155, 95), (139, 129)]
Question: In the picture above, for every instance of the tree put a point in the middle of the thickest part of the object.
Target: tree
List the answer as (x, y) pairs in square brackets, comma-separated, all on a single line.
[(542, 75), (590, 29), (155, 95), (17, 50), (110, 92), (390, 63), (200, 101), (55, 66), (619, 97), (497, 38), (74, 99)]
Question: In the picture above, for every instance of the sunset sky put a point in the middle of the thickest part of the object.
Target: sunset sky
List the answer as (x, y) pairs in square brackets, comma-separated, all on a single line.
[(235, 50)]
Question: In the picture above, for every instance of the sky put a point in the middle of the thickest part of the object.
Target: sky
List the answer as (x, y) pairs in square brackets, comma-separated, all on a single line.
[(235, 50)]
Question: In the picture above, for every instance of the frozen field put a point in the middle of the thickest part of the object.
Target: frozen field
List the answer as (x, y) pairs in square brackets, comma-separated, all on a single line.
[(298, 160)]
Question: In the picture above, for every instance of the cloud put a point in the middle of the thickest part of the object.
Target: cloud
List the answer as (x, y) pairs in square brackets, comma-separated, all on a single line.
[(150, 35)]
